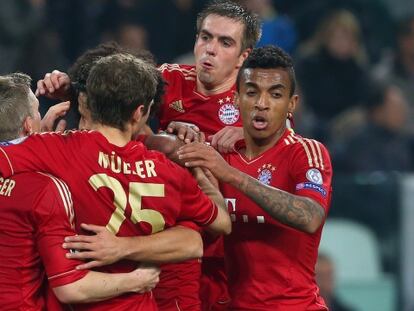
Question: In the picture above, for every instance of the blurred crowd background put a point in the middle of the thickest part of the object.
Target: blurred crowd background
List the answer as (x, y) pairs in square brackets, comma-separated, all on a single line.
[(354, 62)]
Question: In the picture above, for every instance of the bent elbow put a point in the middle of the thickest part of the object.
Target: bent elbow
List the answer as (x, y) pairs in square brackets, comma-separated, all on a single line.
[(70, 293), (66, 297), (313, 226), (227, 227), (198, 249)]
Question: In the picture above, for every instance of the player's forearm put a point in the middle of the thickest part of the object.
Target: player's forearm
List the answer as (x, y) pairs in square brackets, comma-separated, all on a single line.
[(222, 223), (165, 143), (171, 245), (96, 286), (295, 211)]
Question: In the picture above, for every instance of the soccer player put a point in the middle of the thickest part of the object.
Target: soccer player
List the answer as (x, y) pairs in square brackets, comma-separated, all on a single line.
[(104, 248), (204, 96), (277, 186), (134, 191), (36, 213)]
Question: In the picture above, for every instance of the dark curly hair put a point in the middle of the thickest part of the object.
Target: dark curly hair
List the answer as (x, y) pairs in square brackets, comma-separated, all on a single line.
[(269, 57), (80, 70)]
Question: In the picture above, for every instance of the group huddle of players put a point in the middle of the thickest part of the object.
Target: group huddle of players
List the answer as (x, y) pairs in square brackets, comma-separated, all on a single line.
[(225, 214)]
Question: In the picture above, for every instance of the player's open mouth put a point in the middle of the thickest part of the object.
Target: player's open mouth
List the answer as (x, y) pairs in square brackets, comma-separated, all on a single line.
[(207, 65), (259, 122)]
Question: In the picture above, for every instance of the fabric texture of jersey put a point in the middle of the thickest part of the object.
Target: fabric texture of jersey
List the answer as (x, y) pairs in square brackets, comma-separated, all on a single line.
[(130, 190), (36, 215), (270, 265)]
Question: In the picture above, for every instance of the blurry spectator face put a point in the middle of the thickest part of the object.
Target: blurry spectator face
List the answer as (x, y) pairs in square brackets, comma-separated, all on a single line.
[(264, 99), (325, 274), (259, 6), (218, 52), (406, 42), (133, 37), (342, 42), (395, 109), (35, 119)]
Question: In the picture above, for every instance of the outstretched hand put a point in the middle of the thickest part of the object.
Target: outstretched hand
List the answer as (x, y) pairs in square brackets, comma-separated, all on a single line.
[(186, 132), (225, 139), (147, 278), (102, 249), (204, 156)]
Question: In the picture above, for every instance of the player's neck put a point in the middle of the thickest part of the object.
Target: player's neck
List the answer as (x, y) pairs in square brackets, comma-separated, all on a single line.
[(255, 146), (208, 90), (113, 135)]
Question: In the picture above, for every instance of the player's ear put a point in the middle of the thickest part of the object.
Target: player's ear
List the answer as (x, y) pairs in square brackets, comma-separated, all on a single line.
[(243, 56), (292, 103), (27, 126), (138, 113)]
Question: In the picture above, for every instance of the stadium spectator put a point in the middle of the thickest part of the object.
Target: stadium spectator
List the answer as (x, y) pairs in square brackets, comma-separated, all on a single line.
[(378, 142), (334, 59), (277, 29), (278, 188), (399, 69), (325, 277)]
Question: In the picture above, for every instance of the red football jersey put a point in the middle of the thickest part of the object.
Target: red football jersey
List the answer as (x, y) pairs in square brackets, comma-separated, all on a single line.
[(36, 215), (130, 190), (183, 103), (270, 265)]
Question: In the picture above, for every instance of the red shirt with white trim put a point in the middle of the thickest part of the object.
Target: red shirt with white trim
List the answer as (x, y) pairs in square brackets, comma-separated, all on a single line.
[(130, 190), (36, 214), (212, 113), (271, 265), (183, 103)]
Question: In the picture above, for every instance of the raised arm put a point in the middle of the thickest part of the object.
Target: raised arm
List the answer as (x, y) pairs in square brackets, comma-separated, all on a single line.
[(299, 212)]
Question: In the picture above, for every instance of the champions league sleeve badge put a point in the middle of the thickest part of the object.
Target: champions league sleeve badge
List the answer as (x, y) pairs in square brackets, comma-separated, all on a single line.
[(315, 176), (265, 173), (228, 112), (315, 182)]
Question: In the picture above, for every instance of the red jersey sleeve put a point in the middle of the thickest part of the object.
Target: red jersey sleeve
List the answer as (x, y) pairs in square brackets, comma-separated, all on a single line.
[(54, 216), (39, 152), (195, 205), (312, 172)]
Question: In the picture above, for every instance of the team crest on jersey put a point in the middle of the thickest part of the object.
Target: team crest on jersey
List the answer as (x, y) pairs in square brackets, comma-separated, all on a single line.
[(228, 113), (315, 176), (265, 173)]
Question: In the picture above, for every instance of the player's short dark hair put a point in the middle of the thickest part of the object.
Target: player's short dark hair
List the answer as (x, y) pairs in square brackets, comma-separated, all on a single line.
[(117, 85), (252, 26), (79, 71), (14, 104), (269, 57)]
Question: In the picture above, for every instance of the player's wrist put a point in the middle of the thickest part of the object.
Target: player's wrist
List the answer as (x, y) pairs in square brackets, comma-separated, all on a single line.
[(131, 248), (234, 177)]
